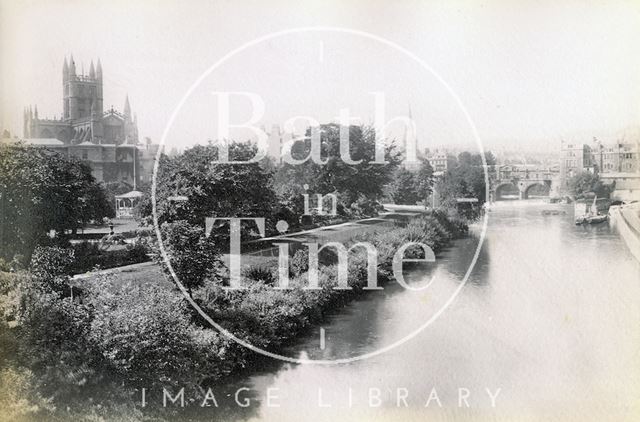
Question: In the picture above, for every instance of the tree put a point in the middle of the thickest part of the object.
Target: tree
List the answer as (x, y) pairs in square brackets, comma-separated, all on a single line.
[(585, 183), (403, 187), (465, 180), (424, 180), (193, 256), (40, 191), (213, 189), (357, 186)]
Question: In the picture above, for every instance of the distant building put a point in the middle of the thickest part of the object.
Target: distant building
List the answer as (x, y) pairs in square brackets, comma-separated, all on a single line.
[(574, 158), (439, 161), (620, 157), (617, 163), (106, 140)]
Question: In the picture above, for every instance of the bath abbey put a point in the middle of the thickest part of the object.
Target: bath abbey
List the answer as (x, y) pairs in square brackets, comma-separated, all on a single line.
[(107, 140)]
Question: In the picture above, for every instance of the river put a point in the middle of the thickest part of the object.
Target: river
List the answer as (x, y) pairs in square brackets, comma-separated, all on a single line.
[(546, 328)]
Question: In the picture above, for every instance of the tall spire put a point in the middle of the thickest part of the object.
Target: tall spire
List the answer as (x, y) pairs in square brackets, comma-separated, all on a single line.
[(36, 112), (99, 70), (65, 70), (410, 140), (72, 67), (92, 71), (25, 127), (127, 109)]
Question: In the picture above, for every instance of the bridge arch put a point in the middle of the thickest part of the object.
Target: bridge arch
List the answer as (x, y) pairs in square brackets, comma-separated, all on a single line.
[(537, 188), (507, 190)]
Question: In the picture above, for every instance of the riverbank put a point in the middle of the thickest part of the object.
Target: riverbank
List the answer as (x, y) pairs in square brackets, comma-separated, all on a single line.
[(269, 318)]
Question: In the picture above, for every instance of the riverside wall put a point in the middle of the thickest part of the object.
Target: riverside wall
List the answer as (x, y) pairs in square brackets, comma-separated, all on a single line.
[(626, 220)]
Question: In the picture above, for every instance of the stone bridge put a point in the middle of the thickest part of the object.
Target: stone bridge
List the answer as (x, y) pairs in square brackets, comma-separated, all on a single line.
[(522, 178)]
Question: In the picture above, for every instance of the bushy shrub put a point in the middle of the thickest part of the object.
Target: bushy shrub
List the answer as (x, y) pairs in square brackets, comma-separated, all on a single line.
[(137, 252), (7, 282), (4, 265), (49, 368), (266, 273), (145, 332), (452, 222), (426, 229), (193, 256), (299, 262), (50, 265), (89, 256), (364, 207), (19, 398), (53, 342), (51, 261), (18, 263)]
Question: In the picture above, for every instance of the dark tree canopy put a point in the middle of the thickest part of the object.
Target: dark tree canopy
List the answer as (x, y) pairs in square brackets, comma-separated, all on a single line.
[(40, 191), (424, 180), (403, 187), (585, 183), (465, 180), (409, 187), (354, 184), (212, 188)]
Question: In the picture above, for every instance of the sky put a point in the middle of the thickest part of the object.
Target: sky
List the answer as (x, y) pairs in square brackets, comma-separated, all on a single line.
[(528, 73)]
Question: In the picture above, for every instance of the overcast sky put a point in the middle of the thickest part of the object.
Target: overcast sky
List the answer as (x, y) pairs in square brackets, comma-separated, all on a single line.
[(527, 72)]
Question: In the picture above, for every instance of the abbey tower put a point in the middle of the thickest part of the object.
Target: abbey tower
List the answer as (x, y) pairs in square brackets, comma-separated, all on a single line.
[(107, 140), (83, 118)]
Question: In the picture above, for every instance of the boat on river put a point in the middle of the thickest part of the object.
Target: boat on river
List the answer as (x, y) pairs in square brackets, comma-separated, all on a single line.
[(590, 216)]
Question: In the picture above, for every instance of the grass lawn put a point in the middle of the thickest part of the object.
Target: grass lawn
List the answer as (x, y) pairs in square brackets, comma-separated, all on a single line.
[(146, 272)]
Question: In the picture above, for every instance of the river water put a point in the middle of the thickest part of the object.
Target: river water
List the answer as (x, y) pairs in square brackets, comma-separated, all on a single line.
[(547, 324)]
